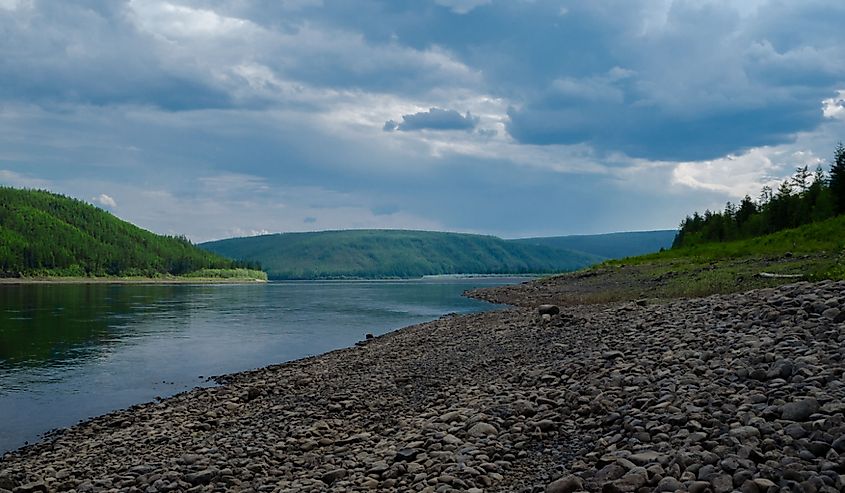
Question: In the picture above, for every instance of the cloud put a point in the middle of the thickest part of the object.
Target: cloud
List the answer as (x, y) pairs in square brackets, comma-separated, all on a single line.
[(105, 201), (241, 233), (835, 107), (217, 117), (703, 82), (11, 5), (462, 6), (433, 119)]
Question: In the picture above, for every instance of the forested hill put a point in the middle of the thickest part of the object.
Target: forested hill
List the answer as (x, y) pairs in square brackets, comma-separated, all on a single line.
[(44, 234), (374, 254), (610, 245)]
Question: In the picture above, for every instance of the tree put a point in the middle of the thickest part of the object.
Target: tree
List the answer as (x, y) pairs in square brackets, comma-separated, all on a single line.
[(765, 195), (801, 179), (837, 179), (747, 208)]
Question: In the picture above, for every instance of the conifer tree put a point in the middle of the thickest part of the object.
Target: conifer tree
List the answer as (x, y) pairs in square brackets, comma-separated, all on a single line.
[(801, 179), (837, 179)]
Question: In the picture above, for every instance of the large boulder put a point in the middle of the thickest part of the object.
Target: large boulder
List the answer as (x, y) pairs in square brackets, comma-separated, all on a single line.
[(548, 310)]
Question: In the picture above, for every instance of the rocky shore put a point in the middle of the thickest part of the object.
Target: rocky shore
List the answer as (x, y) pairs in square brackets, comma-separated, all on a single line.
[(742, 392)]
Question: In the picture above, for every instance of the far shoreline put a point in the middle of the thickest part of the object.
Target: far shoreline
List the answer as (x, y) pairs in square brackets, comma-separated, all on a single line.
[(127, 280), (240, 280)]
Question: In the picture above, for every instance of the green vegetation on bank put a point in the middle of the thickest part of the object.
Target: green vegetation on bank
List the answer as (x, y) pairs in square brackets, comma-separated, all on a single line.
[(43, 234), (228, 274), (796, 233), (372, 254), (812, 252)]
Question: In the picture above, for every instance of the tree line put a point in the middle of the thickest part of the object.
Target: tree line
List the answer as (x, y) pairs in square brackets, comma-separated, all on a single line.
[(42, 233), (806, 197)]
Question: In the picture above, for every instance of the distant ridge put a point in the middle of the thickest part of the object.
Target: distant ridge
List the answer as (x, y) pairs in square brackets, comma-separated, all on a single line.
[(609, 245), (373, 254)]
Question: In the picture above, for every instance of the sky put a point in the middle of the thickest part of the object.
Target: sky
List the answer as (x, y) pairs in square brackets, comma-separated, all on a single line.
[(220, 118)]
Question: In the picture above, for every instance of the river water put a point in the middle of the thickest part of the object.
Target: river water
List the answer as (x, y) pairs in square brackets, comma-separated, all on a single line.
[(70, 352)]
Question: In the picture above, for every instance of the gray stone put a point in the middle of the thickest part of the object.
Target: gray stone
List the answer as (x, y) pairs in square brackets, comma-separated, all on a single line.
[(839, 444), (800, 410), (722, 483), (610, 472), (32, 487), (646, 458), (482, 429), (202, 477), (6, 482), (699, 487), (831, 313), (407, 454), (548, 310), (612, 354), (378, 468), (745, 432), (333, 475), (669, 484), (566, 484), (795, 430)]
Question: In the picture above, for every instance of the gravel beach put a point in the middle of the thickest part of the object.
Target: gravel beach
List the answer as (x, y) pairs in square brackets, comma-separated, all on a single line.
[(741, 392)]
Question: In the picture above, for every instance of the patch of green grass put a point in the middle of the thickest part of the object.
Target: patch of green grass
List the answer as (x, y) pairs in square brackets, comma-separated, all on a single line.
[(815, 252), (825, 237), (228, 274)]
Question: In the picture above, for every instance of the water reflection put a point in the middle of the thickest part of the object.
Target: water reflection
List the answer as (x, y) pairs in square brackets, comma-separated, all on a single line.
[(68, 352), (52, 325)]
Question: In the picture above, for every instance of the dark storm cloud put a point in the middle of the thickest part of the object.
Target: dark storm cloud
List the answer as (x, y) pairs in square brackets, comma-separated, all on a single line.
[(295, 92), (434, 119), (698, 79)]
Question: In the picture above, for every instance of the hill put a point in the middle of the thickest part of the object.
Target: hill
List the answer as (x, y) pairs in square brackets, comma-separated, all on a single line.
[(373, 254), (45, 234), (609, 245)]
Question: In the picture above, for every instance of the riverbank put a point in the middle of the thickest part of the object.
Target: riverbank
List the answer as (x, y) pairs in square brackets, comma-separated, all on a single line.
[(727, 392), (129, 280)]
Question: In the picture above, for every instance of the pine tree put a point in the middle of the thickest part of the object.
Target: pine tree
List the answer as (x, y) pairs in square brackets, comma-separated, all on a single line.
[(765, 195), (837, 179), (801, 179), (747, 208)]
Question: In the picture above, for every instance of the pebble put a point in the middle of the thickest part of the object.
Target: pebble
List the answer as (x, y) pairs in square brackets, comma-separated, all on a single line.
[(743, 392)]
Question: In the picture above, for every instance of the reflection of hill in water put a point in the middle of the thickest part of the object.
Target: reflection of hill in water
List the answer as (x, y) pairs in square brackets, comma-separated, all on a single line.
[(52, 325)]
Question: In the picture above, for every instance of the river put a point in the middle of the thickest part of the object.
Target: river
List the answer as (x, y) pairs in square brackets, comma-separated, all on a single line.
[(69, 352)]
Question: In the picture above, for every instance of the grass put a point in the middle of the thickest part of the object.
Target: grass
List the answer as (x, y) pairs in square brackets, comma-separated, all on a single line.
[(248, 274), (815, 252)]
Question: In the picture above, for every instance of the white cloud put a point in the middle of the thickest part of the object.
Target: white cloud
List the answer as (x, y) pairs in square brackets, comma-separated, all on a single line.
[(744, 174), (175, 21), (835, 107), (12, 5), (241, 233), (105, 200)]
